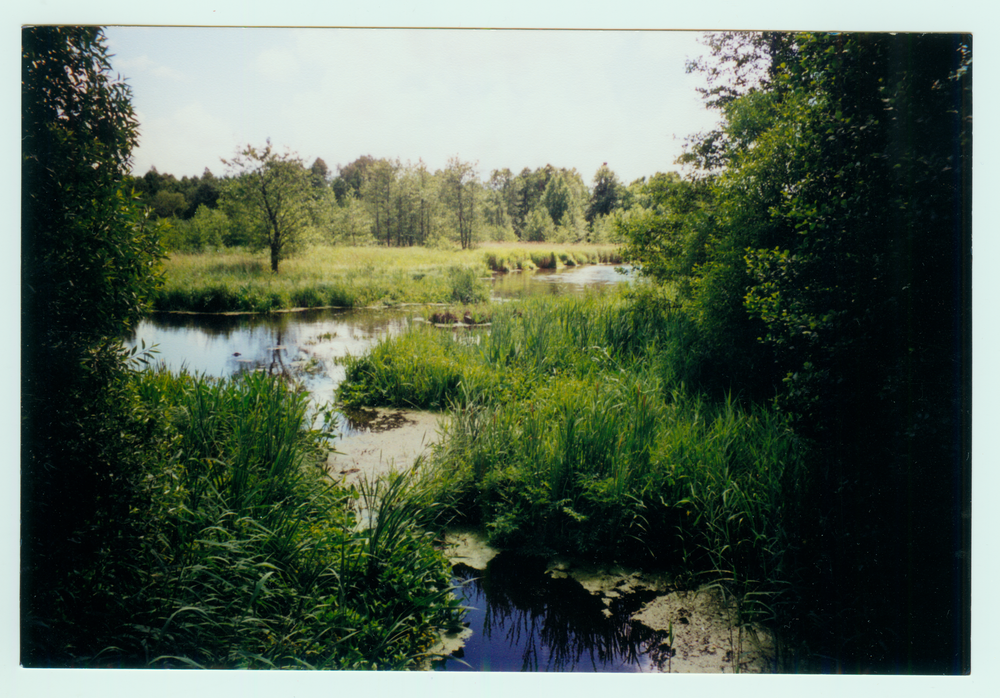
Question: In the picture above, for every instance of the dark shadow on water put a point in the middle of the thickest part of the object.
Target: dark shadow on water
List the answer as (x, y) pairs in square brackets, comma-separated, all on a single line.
[(525, 620)]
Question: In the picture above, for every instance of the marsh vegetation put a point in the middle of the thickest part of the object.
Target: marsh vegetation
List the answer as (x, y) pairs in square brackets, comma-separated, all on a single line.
[(776, 406)]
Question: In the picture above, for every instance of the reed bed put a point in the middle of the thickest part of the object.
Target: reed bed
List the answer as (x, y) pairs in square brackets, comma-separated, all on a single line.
[(531, 256), (253, 559), (322, 277), (349, 277), (573, 431)]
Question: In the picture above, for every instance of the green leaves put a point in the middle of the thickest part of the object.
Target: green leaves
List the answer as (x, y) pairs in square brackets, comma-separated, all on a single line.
[(270, 196)]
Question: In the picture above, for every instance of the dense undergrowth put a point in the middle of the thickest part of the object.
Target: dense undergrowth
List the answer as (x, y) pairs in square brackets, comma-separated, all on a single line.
[(350, 277), (249, 556), (574, 431)]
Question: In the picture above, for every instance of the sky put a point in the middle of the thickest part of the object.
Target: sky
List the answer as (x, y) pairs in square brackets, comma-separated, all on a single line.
[(500, 98)]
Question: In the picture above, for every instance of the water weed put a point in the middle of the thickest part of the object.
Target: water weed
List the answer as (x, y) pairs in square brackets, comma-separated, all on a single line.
[(253, 558)]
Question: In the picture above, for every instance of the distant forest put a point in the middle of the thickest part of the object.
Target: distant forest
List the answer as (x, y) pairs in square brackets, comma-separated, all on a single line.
[(378, 201)]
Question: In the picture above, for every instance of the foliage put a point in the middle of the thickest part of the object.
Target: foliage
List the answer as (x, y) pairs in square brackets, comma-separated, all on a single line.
[(829, 271), (208, 229), (250, 557), (89, 266), (269, 195), (666, 227), (460, 191), (166, 196), (606, 194), (392, 203)]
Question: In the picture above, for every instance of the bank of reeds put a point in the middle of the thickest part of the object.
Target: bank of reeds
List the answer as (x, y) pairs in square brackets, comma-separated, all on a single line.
[(324, 277), (351, 277), (527, 344), (253, 558), (531, 256), (573, 431)]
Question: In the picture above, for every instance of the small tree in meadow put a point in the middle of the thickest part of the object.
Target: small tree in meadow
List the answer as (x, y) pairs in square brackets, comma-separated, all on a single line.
[(270, 194)]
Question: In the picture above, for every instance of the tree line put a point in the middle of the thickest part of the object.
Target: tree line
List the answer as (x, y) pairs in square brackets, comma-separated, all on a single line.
[(379, 201)]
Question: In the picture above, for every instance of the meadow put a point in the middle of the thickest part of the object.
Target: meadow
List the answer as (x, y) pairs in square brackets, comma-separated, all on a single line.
[(350, 277)]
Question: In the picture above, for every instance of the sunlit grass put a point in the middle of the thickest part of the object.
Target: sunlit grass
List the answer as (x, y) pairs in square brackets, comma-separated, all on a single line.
[(572, 431), (326, 276), (530, 256)]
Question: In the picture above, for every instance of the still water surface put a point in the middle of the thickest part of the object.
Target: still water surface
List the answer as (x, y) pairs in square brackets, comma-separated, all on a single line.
[(525, 620)]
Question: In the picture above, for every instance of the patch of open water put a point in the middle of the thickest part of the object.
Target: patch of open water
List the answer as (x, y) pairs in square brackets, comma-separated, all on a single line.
[(524, 619)]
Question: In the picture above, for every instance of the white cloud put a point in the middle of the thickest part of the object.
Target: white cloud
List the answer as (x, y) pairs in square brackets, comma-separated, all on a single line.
[(184, 142), (276, 64)]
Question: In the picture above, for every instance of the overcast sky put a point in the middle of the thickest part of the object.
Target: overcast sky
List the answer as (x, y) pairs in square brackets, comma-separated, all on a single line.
[(509, 98)]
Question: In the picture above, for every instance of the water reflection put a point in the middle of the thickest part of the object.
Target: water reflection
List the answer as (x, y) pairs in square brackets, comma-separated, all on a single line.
[(305, 345), (559, 282), (524, 620)]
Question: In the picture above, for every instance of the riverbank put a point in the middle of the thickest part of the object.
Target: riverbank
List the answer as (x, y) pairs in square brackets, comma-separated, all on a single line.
[(574, 433), (352, 277)]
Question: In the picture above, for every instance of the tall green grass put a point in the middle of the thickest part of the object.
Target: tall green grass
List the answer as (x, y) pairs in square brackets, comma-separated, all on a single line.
[(253, 558), (531, 256), (528, 343), (573, 430), (325, 276)]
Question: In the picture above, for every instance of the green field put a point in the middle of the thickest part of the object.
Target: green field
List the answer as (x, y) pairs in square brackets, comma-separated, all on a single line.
[(351, 277)]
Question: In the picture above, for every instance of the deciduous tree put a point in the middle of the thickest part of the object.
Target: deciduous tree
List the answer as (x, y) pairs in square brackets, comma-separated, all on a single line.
[(89, 266), (270, 191), (459, 192)]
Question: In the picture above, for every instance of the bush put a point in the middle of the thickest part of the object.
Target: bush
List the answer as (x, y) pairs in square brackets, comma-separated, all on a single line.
[(467, 285)]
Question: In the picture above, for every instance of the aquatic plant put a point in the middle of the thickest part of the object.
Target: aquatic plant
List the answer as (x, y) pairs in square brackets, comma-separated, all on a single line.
[(572, 429), (252, 557)]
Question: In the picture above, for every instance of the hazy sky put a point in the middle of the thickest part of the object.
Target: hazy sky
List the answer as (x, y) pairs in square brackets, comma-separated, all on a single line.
[(507, 98)]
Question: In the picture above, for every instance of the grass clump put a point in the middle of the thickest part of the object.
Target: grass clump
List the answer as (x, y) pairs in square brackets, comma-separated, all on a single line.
[(573, 431), (252, 558), (531, 256)]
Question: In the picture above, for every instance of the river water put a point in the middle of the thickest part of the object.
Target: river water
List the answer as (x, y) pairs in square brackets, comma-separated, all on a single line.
[(308, 344), (522, 619)]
